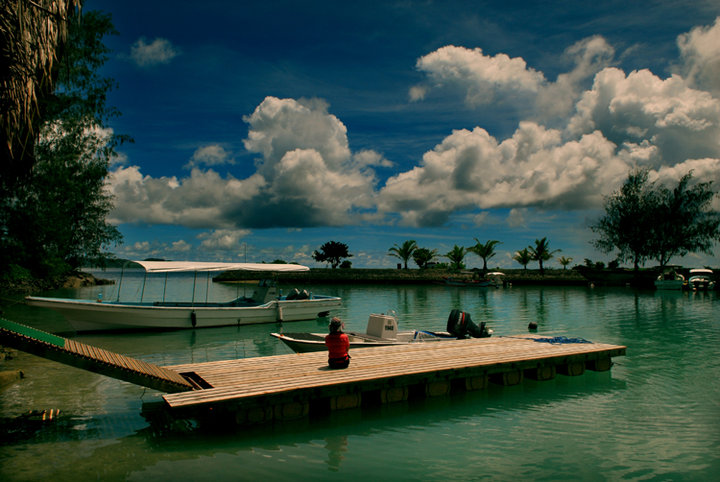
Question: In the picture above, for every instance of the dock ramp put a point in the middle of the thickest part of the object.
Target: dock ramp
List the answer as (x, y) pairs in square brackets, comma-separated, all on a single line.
[(86, 357)]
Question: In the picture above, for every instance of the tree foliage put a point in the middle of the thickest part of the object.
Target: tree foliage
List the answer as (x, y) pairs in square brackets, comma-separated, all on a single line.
[(404, 252), (523, 257), (54, 216), (541, 252), (423, 256), (646, 221), (484, 251), (32, 39), (686, 222), (456, 257), (564, 261), (332, 253)]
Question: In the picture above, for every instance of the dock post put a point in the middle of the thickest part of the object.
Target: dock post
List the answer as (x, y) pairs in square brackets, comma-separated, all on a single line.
[(572, 369), (541, 372), (394, 394), (437, 388), (599, 365), (476, 383), (291, 410), (345, 401), (513, 377)]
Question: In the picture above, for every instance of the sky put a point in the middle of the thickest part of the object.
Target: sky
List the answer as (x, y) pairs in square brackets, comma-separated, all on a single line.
[(263, 130)]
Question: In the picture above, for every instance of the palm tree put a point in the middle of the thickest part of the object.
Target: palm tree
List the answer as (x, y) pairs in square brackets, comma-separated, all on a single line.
[(541, 252), (422, 256), (456, 256), (523, 257), (485, 251), (405, 251), (564, 261)]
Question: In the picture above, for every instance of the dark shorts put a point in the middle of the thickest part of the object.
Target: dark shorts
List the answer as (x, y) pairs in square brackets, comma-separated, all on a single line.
[(339, 362)]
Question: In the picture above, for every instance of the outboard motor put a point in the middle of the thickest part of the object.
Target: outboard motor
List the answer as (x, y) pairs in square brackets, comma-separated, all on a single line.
[(460, 324)]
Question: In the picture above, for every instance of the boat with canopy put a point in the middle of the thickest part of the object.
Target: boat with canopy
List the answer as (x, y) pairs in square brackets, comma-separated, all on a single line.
[(265, 305)]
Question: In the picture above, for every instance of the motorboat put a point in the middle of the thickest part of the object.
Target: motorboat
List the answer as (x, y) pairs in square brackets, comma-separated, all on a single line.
[(670, 280), (382, 330), (701, 279), (266, 305)]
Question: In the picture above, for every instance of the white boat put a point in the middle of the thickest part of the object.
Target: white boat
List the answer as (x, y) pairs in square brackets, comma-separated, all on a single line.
[(266, 305), (701, 279), (670, 280), (382, 330)]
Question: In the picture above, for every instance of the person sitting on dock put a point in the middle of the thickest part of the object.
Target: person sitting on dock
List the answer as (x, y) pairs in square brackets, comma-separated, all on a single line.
[(338, 345)]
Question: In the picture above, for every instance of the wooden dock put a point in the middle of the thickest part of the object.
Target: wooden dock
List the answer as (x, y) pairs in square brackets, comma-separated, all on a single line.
[(283, 387), (287, 387)]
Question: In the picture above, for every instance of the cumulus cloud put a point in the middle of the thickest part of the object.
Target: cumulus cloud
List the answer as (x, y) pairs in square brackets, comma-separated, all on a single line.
[(594, 124), (197, 201), (159, 51), (641, 109), (211, 155), (700, 51), (607, 123), (472, 170), (482, 77), (222, 239), (306, 176)]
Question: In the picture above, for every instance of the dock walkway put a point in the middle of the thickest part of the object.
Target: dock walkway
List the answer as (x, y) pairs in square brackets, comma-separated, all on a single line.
[(285, 387), (288, 386)]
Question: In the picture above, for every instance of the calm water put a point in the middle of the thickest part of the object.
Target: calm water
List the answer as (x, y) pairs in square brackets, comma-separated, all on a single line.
[(654, 416)]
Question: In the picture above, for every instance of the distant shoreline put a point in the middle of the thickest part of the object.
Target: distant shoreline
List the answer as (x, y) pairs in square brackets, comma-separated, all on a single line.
[(412, 276)]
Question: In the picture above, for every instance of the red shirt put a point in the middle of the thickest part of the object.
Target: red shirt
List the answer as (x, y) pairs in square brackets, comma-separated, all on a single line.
[(338, 345)]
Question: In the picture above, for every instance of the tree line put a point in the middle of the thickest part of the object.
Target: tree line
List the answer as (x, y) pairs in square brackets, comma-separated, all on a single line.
[(335, 253), (643, 221)]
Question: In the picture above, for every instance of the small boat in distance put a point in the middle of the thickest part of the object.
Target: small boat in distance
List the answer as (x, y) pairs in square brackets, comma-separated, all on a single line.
[(491, 280), (266, 305), (670, 280), (382, 330), (701, 279)]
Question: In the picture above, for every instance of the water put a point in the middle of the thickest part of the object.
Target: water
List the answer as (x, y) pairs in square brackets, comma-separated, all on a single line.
[(654, 416)]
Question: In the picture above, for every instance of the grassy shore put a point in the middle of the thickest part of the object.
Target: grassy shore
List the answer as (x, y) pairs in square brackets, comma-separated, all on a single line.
[(554, 277)]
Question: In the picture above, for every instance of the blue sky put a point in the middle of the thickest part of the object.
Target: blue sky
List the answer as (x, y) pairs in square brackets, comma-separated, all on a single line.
[(264, 129)]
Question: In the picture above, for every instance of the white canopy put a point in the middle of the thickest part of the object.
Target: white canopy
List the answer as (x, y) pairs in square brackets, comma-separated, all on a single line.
[(179, 266)]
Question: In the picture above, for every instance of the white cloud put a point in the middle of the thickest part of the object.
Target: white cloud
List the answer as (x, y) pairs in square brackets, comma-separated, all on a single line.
[(223, 239), (198, 201), (211, 155), (159, 51), (307, 176), (180, 246), (479, 75), (281, 125), (700, 51), (642, 109), (484, 79), (605, 122), (470, 170)]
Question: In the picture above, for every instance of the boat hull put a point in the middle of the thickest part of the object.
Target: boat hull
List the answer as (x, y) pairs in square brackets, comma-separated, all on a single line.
[(672, 285), (89, 315), (313, 342)]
